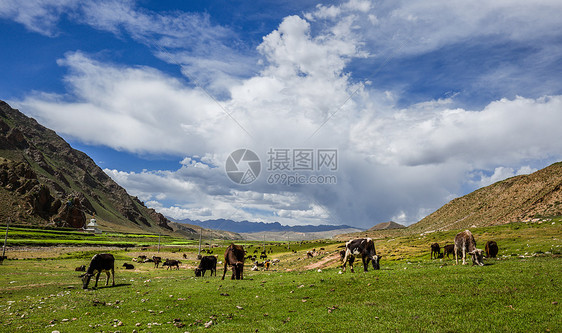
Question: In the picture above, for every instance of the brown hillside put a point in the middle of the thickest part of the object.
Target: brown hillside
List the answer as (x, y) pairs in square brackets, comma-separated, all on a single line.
[(387, 226), (518, 198), (44, 181)]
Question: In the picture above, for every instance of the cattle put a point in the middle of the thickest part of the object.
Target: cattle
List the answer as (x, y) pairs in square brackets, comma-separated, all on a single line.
[(142, 258), (81, 268), (448, 249), (365, 247), (171, 263), (491, 249), (342, 254), (101, 262), (128, 266), (157, 261), (465, 243), (251, 257), (309, 254), (207, 263), (185, 256), (435, 251), (234, 256)]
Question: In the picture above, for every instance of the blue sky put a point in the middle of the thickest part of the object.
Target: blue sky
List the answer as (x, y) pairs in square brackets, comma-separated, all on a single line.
[(423, 102)]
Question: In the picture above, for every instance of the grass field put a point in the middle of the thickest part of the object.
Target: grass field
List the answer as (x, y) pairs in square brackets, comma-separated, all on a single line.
[(518, 292)]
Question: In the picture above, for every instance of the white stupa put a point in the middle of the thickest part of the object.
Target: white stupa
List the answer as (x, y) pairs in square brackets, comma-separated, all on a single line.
[(93, 226)]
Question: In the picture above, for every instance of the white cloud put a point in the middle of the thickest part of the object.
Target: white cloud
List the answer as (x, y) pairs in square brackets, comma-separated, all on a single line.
[(41, 17), (501, 173), (416, 27), (505, 131), (395, 162), (136, 109)]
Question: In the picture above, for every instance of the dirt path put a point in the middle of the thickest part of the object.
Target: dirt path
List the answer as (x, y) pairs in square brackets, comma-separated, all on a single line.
[(324, 262)]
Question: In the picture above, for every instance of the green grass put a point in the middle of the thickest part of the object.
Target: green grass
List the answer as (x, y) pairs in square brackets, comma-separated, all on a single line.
[(518, 292), (47, 237), (511, 295)]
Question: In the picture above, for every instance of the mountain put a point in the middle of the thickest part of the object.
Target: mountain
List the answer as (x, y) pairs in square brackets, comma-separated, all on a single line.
[(205, 233), (387, 226), (44, 181), (519, 198), (296, 236), (252, 227)]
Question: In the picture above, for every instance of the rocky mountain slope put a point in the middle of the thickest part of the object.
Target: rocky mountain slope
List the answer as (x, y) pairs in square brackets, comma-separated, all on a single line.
[(518, 198), (44, 181)]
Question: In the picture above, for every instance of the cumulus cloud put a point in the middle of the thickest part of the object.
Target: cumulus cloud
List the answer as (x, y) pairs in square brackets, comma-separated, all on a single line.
[(505, 131), (136, 109), (395, 162)]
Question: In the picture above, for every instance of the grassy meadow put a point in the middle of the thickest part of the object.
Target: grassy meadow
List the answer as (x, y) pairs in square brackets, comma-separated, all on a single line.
[(518, 292)]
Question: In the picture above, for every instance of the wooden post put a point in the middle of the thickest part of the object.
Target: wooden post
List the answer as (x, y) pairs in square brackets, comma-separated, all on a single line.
[(159, 233), (5, 238), (200, 235)]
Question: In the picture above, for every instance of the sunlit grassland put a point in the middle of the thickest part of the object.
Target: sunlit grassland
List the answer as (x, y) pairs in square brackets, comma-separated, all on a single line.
[(518, 292), (511, 295)]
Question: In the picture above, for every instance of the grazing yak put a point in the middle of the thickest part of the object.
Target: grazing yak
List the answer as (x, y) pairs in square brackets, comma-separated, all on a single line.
[(234, 256), (491, 249), (207, 263), (365, 247), (436, 251), (465, 243), (448, 249), (157, 261), (172, 263), (102, 262)]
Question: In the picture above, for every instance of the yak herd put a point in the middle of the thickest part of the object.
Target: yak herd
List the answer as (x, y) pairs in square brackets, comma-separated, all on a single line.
[(234, 256)]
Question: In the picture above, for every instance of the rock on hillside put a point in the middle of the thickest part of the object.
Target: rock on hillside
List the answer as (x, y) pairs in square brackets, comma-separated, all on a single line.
[(387, 226), (518, 198), (43, 180)]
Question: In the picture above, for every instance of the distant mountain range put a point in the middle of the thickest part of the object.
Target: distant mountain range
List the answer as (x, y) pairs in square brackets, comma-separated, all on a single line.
[(253, 227)]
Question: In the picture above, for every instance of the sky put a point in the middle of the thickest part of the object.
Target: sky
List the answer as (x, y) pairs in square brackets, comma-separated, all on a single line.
[(302, 112)]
